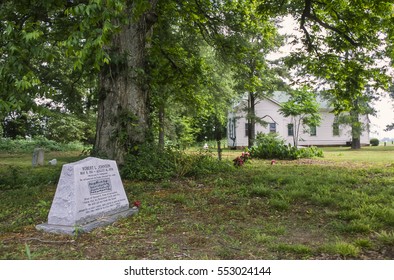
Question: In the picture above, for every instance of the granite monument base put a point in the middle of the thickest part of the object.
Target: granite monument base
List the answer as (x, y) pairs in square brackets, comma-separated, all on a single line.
[(78, 229)]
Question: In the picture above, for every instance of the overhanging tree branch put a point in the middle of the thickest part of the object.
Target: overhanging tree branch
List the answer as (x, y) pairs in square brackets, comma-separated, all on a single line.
[(308, 13)]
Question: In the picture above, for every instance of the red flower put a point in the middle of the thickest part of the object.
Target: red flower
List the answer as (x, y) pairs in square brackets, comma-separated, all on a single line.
[(238, 161), (137, 204)]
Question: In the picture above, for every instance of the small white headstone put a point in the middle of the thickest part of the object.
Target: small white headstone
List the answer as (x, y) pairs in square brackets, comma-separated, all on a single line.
[(38, 157), (53, 162), (89, 194)]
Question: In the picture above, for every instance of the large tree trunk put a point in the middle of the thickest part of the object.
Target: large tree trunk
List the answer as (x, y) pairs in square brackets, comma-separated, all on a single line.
[(123, 98), (356, 143)]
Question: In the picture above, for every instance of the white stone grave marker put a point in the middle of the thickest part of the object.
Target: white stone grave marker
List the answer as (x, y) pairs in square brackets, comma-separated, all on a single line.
[(38, 157), (89, 194)]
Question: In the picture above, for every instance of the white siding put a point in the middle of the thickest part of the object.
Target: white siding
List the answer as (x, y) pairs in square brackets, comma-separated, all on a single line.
[(324, 132)]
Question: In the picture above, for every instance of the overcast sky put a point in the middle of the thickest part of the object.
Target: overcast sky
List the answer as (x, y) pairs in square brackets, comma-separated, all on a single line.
[(384, 117)]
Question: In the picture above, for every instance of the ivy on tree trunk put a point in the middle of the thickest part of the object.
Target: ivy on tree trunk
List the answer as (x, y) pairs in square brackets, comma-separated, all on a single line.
[(123, 118)]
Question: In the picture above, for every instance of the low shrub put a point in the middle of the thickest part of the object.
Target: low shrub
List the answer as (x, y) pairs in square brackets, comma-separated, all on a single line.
[(309, 152), (374, 142), (27, 145), (270, 146), (149, 162)]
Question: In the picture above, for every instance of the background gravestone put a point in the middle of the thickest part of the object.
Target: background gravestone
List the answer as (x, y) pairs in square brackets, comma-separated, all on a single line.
[(38, 157), (89, 194)]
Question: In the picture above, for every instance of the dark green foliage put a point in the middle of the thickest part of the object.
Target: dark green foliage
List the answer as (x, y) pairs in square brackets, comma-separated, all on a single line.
[(52, 124), (20, 124), (374, 142), (23, 145), (149, 162), (270, 146), (65, 128)]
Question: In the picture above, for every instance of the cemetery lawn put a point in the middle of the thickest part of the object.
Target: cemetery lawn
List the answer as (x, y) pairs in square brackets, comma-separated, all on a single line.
[(337, 207)]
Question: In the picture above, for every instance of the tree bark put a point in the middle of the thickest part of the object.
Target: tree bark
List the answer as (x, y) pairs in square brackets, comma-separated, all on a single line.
[(123, 118), (161, 126), (356, 143), (356, 131), (218, 136), (356, 126), (251, 120), (296, 131)]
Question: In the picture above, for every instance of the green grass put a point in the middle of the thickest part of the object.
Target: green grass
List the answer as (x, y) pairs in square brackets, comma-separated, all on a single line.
[(376, 155), (387, 238), (337, 207), (343, 249)]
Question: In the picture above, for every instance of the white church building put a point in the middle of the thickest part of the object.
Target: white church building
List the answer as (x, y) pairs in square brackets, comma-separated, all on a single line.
[(328, 133)]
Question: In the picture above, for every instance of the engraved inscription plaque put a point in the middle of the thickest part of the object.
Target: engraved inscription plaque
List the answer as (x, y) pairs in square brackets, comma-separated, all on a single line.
[(99, 186)]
